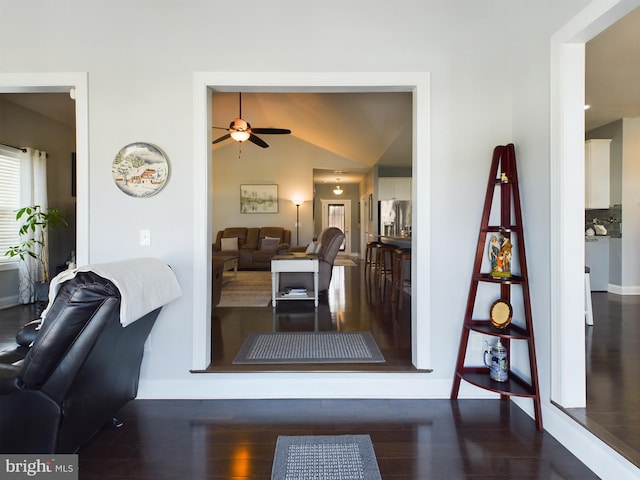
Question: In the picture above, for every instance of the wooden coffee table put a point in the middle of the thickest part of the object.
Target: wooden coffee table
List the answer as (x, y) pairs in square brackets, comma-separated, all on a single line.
[(293, 263), (230, 262)]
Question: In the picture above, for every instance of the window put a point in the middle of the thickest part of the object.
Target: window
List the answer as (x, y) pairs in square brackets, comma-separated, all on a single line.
[(9, 202)]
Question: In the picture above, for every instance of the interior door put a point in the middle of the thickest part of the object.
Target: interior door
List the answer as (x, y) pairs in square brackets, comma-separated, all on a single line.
[(337, 213)]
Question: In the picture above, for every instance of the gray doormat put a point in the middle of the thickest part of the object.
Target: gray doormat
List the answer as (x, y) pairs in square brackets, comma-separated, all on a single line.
[(325, 457), (309, 347)]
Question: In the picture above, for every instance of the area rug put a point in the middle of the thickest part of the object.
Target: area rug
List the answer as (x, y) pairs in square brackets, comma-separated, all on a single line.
[(309, 347), (326, 457), (344, 262), (250, 289)]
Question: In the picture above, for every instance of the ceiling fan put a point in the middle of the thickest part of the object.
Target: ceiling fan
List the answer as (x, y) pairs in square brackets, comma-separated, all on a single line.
[(240, 130)]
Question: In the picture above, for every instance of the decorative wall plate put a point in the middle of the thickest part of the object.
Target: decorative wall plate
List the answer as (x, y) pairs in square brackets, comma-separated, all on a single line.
[(140, 169), (500, 313)]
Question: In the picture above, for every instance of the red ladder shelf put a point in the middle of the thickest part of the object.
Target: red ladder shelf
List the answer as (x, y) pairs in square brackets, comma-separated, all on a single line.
[(503, 177)]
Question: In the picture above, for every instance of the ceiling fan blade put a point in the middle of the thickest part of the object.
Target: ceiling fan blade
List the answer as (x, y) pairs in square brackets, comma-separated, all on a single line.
[(224, 137), (221, 128), (258, 141), (271, 131)]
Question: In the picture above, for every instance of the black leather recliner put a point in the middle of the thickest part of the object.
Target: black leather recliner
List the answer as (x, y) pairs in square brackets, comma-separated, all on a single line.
[(82, 368)]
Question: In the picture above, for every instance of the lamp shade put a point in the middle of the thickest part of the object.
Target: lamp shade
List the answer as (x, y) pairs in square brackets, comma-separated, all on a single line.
[(338, 190)]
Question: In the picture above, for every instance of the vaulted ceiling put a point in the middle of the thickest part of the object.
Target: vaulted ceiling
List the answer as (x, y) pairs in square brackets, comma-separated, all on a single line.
[(368, 128)]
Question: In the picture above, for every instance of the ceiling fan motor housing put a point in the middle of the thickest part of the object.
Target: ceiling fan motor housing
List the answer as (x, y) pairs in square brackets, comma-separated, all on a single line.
[(239, 125)]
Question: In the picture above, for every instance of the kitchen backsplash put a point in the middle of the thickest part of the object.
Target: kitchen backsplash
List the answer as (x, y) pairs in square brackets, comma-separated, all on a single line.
[(610, 217)]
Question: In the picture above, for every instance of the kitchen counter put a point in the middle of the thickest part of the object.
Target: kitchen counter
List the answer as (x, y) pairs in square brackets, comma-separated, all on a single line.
[(403, 242), (594, 238)]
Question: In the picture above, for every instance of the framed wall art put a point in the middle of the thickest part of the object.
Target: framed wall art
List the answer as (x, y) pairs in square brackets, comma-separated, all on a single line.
[(140, 169), (259, 198)]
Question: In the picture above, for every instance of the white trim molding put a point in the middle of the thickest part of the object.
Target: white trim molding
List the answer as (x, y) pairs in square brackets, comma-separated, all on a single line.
[(63, 82), (416, 82)]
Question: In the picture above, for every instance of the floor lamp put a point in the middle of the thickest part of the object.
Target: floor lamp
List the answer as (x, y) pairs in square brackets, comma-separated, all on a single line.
[(297, 202)]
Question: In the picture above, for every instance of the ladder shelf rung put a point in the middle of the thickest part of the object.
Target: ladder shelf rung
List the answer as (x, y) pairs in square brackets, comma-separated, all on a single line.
[(513, 386), (502, 229), (510, 331), (486, 277)]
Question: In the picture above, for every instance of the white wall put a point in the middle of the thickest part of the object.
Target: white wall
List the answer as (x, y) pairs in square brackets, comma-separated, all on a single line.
[(489, 63), (289, 163), (631, 204), (140, 89)]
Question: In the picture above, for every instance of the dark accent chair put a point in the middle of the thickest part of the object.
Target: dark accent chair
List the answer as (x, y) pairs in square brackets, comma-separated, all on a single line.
[(82, 368), (329, 241)]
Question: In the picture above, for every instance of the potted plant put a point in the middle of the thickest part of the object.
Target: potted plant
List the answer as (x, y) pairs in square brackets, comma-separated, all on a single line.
[(36, 222)]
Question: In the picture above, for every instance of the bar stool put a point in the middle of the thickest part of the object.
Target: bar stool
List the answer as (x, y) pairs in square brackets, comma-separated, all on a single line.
[(400, 258), (384, 262), (370, 257)]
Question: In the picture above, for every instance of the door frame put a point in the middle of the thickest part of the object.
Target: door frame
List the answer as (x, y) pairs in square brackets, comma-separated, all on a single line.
[(347, 219), (567, 87), (55, 82), (418, 83), (364, 218)]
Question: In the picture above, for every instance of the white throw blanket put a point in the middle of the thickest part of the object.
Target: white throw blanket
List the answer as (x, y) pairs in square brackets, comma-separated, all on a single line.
[(144, 284)]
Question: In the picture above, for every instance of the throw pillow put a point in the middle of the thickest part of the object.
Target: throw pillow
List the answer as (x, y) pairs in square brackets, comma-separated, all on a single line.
[(311, 248), (269, 243), (318, 248), (227, 244)]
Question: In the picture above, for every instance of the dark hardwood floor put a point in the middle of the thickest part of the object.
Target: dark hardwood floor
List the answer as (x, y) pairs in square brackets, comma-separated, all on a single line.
[(613, 382), (353, 303), (412, 438), (11, 320)]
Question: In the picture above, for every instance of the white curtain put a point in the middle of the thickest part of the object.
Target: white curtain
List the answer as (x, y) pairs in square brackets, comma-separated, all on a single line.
[(33, 191)]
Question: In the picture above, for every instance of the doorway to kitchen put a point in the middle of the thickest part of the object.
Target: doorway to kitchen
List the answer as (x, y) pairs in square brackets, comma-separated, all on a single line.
[(567, 220)]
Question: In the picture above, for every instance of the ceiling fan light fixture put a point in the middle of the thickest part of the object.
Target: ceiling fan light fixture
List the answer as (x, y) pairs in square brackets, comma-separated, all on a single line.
[(240, 130), (338, 190), (240, 136)]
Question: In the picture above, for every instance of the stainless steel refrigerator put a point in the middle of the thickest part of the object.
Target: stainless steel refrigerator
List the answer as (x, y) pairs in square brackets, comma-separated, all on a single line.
[(394, 218)]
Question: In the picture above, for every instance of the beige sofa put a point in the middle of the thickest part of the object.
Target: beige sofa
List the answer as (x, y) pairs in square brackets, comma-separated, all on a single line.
[(255, 247)]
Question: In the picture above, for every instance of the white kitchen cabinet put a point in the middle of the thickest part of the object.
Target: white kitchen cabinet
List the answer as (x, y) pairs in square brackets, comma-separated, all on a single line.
[(394, 188), (596, 257), (596, 173)]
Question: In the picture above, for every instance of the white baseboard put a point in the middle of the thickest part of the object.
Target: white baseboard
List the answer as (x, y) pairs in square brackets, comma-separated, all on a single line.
[(624, 290), (11, 301)]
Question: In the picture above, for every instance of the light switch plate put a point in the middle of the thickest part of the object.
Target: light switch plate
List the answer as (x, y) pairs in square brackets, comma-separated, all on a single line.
[(145, 238)]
